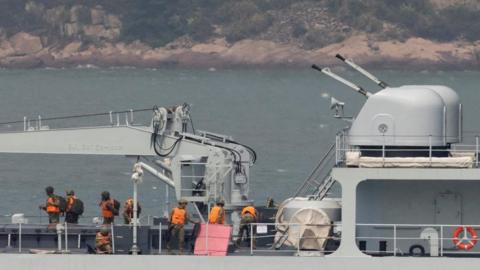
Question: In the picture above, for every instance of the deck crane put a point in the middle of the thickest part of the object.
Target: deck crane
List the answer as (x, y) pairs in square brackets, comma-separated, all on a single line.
[(201, 166)]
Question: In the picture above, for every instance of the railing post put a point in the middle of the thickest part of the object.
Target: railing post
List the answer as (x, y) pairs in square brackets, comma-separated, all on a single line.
[(66, 237), (336, 149), (251, 239), (476, 151), (59, 237), (299, 239), (430, 149), (113, 238), (383, 151), (394, 240), (20, 237), (441, 240), (206, 233), (159, 238)]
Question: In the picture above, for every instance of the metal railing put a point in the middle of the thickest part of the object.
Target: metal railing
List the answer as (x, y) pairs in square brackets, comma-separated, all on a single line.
[(430, 152), (260, 231), (432, 239), (83, 220), (64, 232), (319, 175), (257, 232)]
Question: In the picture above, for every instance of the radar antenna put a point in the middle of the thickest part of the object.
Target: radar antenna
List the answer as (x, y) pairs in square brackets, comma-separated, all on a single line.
[(355, 87), (358, 68)]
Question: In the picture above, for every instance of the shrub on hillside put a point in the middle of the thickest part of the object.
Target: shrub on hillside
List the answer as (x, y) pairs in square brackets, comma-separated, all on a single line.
[(318, 38), (249, 27)]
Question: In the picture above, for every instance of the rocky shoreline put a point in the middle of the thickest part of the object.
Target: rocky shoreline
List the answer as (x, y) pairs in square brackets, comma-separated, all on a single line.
[(25, 50)]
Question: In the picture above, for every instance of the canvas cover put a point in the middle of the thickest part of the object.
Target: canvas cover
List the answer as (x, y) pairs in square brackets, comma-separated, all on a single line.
[(354, 159), (307, 229)]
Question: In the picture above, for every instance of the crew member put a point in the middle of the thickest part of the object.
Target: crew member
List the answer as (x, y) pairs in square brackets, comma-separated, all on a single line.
[(217, 214), (108, 208), (249, 215), (177, 220), (70, 215), (271, 203), (103, 241), (52, 207), (128, 211)]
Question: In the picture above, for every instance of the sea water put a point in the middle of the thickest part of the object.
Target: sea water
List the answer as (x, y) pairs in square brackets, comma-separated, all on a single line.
[(284, 114)]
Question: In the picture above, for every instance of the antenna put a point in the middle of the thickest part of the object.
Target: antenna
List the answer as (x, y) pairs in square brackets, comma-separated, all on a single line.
[(337, 105), (358, 68), (355, 87)]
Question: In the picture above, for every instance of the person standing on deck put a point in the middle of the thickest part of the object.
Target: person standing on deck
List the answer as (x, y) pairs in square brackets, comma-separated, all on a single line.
[(73, 209), (108, 208), (128, 211), (217, 214), (52, 207), (249, 215), (177, 220)]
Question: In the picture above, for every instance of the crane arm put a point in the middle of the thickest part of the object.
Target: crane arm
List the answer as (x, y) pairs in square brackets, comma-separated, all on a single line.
[(200, 167)]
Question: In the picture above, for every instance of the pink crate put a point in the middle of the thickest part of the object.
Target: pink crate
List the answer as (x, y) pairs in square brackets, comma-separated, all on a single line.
[(218, 238)]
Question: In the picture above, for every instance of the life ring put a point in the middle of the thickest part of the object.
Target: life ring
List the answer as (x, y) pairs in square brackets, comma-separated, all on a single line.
[(465, 243)]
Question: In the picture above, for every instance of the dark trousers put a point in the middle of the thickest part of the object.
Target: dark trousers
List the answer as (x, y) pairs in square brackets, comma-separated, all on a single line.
[(177, 231), (53, 217), (108, 220), (71, 218), (245, 228)]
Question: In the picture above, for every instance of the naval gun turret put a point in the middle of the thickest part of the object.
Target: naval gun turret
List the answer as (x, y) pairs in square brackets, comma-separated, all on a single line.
[(409, 116)]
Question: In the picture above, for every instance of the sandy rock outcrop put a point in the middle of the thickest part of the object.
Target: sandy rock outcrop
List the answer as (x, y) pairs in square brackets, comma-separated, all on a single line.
[(6, 49), (24, 43), (97, 15), (414, 50)]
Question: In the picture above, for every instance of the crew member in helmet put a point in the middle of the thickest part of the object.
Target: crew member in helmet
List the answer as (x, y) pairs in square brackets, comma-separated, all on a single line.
[(71, 216), (103, 241), (128, 210), (249, 215), (107, 205), (52, 206), (217, 214), (177, 221)]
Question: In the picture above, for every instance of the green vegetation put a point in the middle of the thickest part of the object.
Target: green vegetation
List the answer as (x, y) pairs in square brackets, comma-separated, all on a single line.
[(415, 17), (158, 22)]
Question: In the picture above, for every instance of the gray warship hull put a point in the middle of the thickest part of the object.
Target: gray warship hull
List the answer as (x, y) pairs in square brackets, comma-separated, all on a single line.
[(124, 262)]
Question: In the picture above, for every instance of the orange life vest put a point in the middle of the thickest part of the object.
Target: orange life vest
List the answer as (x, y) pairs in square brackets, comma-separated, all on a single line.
[(249, 210), (215, 213), (106, 213), (101, 239), (70, 201), (178, 216), (51, 208)]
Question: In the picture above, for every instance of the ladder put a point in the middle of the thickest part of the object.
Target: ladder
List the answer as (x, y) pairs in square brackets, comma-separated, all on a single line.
[(319, 182), (324, 188)]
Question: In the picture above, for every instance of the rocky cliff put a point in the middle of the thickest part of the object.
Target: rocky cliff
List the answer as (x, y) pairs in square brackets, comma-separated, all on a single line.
[(297, 34)]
